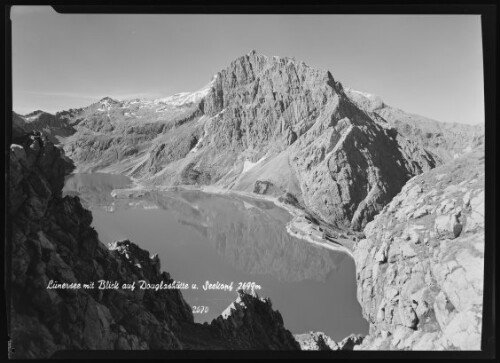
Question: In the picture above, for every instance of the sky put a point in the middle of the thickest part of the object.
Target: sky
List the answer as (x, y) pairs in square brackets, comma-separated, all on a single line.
[(425, 64)]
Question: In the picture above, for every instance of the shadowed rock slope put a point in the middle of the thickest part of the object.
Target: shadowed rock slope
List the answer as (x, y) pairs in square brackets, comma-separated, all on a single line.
[(51, 239)]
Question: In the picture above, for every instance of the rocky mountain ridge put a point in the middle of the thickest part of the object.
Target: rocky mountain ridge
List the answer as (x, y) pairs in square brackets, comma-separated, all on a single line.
[(267, 125), (446, 141), (53, 127)]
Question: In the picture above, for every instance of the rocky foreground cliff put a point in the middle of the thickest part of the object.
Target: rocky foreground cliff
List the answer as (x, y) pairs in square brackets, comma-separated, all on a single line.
[(51, 240), (420, 268)]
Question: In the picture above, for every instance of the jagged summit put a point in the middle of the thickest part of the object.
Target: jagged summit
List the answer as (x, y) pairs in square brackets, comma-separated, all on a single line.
[(257, 67), (34, 113), (108, 100)]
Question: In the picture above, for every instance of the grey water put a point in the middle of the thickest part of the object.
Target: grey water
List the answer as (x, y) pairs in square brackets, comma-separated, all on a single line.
[(202, 237)]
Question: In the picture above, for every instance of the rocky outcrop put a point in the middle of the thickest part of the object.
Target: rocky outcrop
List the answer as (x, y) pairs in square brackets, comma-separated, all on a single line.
[(420, 267), (52, 242), (238, 323), (321, 341)]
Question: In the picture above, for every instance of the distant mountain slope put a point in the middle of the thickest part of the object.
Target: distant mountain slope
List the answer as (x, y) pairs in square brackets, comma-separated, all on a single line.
[(446, 140), (53, 127), (268, 125)]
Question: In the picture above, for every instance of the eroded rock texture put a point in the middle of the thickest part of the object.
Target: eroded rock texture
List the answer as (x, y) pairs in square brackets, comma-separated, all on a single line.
[(315, 142), (420, 268), (52, 240), (321, 341)]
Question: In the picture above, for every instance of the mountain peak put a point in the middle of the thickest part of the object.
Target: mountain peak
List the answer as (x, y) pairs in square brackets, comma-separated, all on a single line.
[(35, 113), (108, 99)]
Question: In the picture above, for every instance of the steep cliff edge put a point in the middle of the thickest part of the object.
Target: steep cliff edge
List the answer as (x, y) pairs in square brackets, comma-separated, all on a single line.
[(420, 268), (52, 240)]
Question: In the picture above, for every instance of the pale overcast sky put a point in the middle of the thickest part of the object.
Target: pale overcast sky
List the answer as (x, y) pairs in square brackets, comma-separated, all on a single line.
[(425, 64)]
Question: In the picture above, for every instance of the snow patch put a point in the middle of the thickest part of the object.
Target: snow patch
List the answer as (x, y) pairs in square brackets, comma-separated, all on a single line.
[(229, 310), (183, 98), (364, 94)]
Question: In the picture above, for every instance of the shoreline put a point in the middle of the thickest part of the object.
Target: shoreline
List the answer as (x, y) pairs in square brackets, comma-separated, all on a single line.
[(298, 227)]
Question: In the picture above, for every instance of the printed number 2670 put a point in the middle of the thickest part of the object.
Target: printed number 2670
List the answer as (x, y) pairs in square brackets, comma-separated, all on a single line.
[(200, 309)]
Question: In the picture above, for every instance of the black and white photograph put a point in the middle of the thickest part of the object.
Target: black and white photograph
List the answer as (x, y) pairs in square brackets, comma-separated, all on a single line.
[(245, 182)]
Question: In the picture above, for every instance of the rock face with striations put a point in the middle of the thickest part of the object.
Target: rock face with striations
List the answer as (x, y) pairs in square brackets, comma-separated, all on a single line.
[(420, 268), (52, 240), (301, 134)]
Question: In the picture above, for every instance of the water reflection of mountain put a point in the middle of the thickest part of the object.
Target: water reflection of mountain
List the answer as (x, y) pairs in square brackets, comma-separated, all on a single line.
[(249, 233)]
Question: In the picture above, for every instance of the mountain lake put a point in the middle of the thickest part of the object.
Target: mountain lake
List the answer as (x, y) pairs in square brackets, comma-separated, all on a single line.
[(226, 239)]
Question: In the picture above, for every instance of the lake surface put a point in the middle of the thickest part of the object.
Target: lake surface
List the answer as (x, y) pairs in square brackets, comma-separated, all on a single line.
[(203, 237)]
